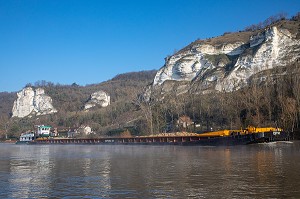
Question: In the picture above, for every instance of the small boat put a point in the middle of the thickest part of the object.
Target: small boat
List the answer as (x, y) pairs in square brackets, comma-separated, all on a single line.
[(26, 138)]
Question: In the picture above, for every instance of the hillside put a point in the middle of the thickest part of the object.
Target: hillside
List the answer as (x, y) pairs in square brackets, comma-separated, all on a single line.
[(69, 100), (6, 103)]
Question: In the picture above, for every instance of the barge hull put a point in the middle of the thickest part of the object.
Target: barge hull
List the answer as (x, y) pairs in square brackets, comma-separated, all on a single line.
[(175, 140)]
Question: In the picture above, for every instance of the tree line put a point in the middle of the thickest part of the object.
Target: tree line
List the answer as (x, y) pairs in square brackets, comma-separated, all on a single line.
[(273, 101)]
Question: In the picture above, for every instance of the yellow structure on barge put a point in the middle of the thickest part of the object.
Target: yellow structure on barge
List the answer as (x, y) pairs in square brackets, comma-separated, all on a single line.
[(248, 130)]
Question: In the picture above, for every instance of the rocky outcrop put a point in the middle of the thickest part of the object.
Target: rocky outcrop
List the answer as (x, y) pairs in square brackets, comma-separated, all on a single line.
[(228, 64), (100, 98), (32, 102), (274, 47)]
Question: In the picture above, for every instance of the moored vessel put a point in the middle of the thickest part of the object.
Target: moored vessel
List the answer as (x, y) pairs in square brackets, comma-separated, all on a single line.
[(27, 137), (249, 135)]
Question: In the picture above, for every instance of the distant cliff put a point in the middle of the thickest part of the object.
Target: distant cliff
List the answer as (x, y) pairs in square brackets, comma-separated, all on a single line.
[(32, 102)]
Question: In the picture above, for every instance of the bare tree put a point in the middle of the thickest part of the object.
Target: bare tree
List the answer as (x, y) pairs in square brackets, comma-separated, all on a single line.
[(289, 112), (296, 90), (4, 124)]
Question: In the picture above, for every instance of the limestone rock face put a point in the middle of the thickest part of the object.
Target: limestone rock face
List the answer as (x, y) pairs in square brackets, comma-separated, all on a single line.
[(275, 47), (224, 64), (32, 101), (98, 98)]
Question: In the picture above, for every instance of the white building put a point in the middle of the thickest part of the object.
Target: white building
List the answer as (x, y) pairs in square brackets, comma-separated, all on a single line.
[(43, 131)]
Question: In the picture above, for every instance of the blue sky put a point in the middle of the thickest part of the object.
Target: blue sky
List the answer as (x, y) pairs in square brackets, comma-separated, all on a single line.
[(91, 41)]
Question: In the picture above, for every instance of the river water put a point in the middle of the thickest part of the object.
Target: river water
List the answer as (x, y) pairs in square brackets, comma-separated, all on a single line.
[(124, 171)]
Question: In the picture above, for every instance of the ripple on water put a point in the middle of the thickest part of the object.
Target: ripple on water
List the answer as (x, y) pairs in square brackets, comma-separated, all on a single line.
[(257, 171)]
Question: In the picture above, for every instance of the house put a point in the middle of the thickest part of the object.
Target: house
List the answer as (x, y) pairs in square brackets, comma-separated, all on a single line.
[(72, 132), (85, 130), (184, 121)]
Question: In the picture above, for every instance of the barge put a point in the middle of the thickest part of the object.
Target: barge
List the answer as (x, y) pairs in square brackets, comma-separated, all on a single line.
[(250, 135)]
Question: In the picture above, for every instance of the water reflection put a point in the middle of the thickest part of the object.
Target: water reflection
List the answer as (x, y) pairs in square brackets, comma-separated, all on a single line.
[(55, 171), (28, 167)]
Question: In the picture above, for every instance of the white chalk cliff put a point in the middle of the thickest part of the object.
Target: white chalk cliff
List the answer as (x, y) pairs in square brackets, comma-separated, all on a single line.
[(32, 101), (98, 98), (228, 62)]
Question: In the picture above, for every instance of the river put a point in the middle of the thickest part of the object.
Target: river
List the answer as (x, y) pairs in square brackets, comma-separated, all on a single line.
[(127, 171)]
